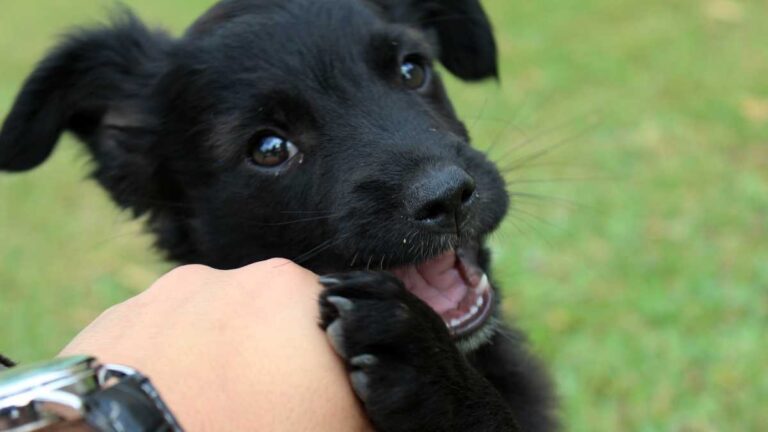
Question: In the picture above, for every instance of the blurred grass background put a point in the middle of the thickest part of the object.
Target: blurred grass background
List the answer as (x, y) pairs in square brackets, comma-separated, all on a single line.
[(637, 253)]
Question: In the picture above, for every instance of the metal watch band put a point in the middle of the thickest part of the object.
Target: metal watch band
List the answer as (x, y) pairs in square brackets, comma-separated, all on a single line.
[(68, 390), (131, 405)]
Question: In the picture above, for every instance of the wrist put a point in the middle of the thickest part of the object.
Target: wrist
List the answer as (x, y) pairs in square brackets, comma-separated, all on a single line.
[(77, 391)]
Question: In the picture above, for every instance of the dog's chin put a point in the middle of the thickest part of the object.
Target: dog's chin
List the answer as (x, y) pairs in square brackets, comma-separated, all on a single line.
[(455, 286)]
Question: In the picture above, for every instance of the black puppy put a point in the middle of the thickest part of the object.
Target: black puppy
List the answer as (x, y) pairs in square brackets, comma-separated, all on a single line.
[(317, 131)]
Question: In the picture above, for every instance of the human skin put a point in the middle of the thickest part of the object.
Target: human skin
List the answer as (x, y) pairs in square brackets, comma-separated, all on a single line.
[(231, 350)]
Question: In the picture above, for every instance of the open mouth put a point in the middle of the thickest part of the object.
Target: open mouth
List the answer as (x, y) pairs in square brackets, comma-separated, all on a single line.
[(454, 286)]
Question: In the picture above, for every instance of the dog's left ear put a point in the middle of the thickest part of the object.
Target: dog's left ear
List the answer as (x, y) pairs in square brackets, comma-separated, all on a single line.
[(463, 32)]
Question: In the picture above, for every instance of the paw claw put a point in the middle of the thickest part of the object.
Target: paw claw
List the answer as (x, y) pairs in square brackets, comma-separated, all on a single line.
[(335, 334), (360, 384), (343, 305), (364, 361), (329, 281)]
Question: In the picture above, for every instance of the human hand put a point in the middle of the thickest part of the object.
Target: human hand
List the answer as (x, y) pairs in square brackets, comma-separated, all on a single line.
[(231, 350)]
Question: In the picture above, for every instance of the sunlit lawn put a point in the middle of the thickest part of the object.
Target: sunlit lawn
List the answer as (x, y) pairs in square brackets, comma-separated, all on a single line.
[(636, 256)]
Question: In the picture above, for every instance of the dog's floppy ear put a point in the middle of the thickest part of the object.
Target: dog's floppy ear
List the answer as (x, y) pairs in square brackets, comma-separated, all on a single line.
[(91, 73), (463, 32)]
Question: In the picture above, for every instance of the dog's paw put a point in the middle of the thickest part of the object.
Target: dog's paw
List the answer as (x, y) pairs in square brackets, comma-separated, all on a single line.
[(402, 363)]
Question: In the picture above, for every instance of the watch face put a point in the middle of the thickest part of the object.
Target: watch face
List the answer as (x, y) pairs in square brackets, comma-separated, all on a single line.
[(25, 391)]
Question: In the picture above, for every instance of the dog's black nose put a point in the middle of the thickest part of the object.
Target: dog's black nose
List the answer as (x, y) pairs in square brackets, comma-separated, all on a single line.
[(439, 198)]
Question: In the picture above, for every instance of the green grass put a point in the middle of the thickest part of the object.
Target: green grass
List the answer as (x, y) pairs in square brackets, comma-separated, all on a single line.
[(642, 279)]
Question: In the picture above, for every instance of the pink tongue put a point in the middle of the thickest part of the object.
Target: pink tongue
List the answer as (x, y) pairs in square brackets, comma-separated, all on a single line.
[(436, 282)]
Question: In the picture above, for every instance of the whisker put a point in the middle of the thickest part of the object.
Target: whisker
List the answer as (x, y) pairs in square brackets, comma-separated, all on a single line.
[(531, 138), (314, 251), (543, 198), (540, 164), (536, 217), (172, 204), (448, 17), (108, 239), (518, 217), (511, 124), (511, 219), (480, 113), (305, 212), (546, 150), (311, 219), (510, 182)]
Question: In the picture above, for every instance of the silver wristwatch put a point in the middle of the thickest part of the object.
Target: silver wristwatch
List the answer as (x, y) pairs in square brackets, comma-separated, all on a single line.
[(77, 393)]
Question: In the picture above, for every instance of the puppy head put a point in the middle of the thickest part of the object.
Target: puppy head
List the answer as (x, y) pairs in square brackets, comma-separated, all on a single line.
[(317, 131)]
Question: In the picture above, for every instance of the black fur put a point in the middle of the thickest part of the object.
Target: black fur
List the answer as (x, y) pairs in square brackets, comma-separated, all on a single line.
[(171, 124), (405, 369)]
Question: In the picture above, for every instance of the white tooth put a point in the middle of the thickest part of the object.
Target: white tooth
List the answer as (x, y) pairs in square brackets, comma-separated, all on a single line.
[(484, 285), (473, 310), (455, 322), (479, 301)]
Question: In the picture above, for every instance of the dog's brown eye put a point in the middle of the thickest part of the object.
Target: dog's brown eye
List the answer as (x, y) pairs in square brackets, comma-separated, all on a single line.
[(272, 150), (414, 73)]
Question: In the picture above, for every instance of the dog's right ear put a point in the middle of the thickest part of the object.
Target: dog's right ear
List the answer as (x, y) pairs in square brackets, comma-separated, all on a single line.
[(464, 34), (91, 73)]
